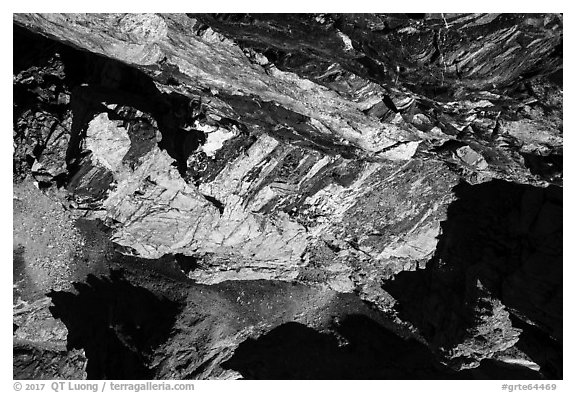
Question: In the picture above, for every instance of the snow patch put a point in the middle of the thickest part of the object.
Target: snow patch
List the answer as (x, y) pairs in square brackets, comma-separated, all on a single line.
[(215, 138)]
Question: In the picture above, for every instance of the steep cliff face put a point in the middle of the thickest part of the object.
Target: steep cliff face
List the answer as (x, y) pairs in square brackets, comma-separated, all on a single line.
[(228, 183)]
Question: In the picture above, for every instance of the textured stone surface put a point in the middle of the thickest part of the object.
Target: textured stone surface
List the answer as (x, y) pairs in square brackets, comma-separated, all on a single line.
[(242, 173)]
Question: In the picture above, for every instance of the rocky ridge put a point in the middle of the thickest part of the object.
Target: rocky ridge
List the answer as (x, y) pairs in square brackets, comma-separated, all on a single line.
[(307, 162)]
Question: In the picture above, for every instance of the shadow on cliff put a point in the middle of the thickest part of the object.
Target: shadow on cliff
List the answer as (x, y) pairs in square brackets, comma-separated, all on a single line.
[(116, 323), (93, 82), (549, 168), (364, 350), (501, 242), (309, 46)]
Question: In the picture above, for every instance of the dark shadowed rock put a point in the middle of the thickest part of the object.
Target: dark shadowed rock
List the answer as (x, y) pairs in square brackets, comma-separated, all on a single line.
[(288, 196)]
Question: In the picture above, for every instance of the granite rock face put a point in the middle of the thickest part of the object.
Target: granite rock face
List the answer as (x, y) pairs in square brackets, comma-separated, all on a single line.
[(354, 182)]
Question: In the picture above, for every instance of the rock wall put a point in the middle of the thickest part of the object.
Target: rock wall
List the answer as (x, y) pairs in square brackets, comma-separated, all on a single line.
[(397, 175)]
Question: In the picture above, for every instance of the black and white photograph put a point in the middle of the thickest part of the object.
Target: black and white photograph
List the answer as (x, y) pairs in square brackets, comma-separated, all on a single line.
[(287, 196)]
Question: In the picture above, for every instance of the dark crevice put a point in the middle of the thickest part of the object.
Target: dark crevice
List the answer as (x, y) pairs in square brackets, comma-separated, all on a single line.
[(448, 147), (218, 204), (186, 263), (549, 167), (389, 103)]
